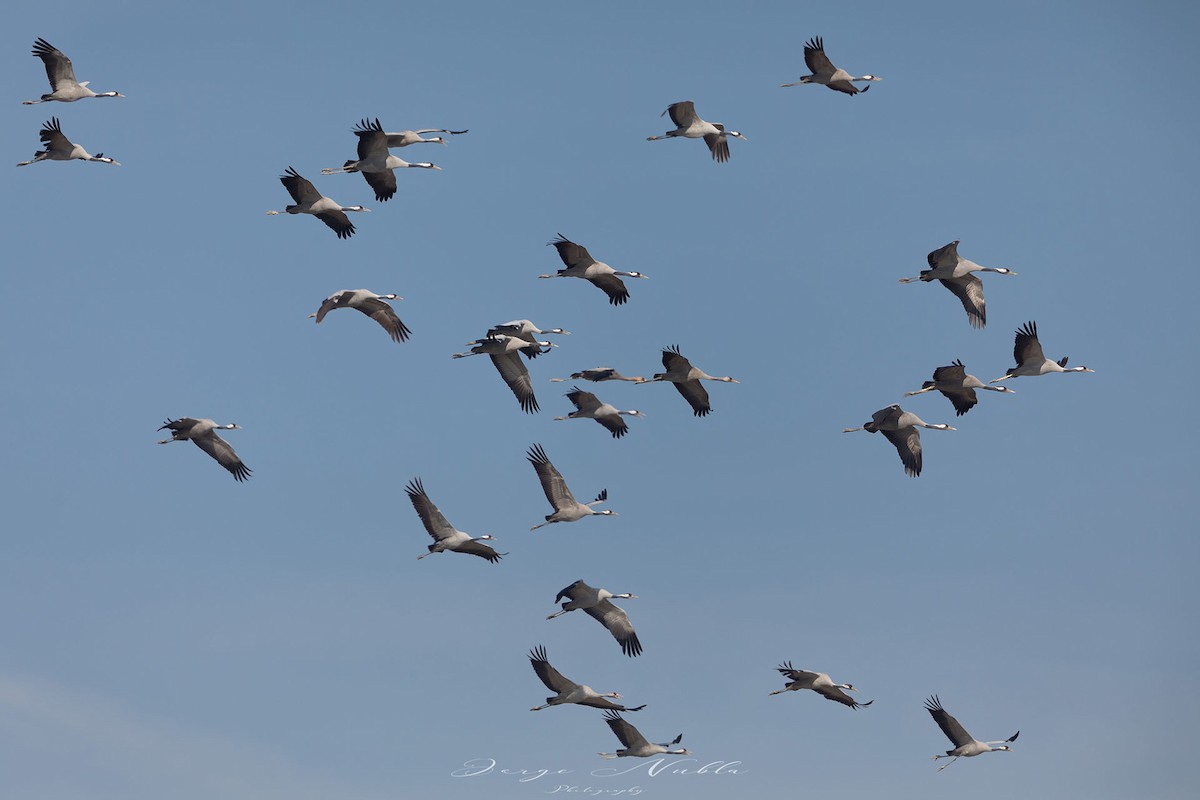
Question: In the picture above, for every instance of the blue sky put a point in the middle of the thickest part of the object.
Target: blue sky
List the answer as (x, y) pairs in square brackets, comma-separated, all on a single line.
[(171, 633)]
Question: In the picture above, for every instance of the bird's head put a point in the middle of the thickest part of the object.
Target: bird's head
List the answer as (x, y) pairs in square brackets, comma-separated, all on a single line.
[(737, 135), (849, 687), (633, 412), (607, 513), (110, 94), (391, 296), (486, 536), (635, 275), (105, 159), (874, 78), (233, 426)]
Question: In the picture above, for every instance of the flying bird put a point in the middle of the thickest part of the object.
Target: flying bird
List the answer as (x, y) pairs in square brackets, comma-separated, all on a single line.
[(375, 162), (687, 380), (524, 329), (965, 745), (59, 148), (203, 432), (955, 273), (1031, 361), (820, 683), (825, 73), (596, 603), (505, 354), (588, 406), (405, 138), (598, 374), (580, 264), (567, 691), (566, 507), (372, 305), (689, 125), (954, 382), (636, 744), (310, 201), (900, 428), (446, 536), (64, 87)]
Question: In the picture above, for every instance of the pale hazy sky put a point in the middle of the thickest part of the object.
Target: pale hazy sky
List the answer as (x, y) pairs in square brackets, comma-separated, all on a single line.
[(169, 632)]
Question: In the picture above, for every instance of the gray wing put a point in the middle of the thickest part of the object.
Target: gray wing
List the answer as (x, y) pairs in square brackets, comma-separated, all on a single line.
[(372, 141), (1026, 347), (969, 289), (52, 136), (337, 221), (837, 695), (955, 732), (335, 300), (383, 313), (845, 86), (614, 423), (553, 679), (697, 397), (573, 255), (814, 57), (718, 145), (58, 66), (908, 445), (573, 591), (955, 372), (551, 479), (300, 188), (792, 674), (683, 113), (584, 401), (221, 450), (617, 622), (384, 184), (674, 361), (480, 549), (629, 735), (435, 523), (945, 256), (517, 377), (612, 286)]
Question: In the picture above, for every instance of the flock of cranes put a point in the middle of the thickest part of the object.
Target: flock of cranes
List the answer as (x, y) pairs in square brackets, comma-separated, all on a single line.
[(509, 344)]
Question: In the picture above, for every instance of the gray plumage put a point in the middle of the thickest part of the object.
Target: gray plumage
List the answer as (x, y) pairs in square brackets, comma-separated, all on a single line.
[(580, 264), (900, 428), (598, 374), (405, 138), (596, 603), (825, 73), (687, 380), (636, 744), (203, 433), (59, 148), (375, 162), (1031, 361), (588, 406), (567, 691), (959, 387), (372, 305), (566, 507), (61, 74), (820, 683), (310, 201), (965, 745), (446, 536), (955, 273), (689, 126), (505, 354)]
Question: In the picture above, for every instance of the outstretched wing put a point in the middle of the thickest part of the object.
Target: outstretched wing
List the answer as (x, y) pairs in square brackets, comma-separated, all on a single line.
[(618, 624)]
